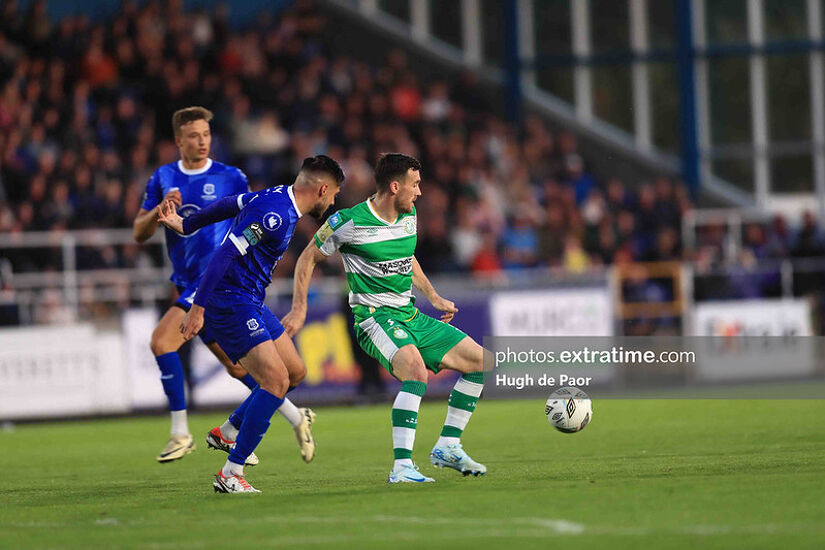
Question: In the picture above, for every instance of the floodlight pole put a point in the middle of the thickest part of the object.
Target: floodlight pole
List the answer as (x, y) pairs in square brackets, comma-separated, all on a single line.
[(512, 60), (687, 83)]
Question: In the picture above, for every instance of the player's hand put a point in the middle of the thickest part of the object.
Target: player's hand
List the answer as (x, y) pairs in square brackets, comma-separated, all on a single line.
[(448, 307), (192, 323), (293, 321), (174, 196), (168, 216)]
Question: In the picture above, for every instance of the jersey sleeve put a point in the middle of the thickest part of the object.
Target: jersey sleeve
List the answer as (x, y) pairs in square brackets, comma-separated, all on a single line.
[(154, 192), (223, 209), (241, 182), (336, 231), (243, 199), (262, 218)]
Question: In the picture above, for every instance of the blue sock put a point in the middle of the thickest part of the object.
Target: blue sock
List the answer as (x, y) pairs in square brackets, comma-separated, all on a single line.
[(172, 379), (255, 424), (236, 418), (248, 381)]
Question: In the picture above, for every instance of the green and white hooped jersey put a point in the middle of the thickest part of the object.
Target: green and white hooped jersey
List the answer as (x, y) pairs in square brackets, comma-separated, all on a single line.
[(377, 255)]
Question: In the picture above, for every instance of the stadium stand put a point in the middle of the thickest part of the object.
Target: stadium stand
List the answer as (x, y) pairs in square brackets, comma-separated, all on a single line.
[(84, 118)]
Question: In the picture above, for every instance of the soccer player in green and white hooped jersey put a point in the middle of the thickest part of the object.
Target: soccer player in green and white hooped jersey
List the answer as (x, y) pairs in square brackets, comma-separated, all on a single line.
[(377, 242)]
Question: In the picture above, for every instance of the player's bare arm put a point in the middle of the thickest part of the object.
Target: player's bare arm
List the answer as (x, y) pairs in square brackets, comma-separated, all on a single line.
[(422, 283), (294, 320), (146, 221), (192, 322)]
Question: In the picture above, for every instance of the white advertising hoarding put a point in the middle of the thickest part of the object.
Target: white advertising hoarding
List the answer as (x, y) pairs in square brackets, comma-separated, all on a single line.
[(768, 317), (145, 389), (739, 348), (569, 312), (61, 371), (211, 385)]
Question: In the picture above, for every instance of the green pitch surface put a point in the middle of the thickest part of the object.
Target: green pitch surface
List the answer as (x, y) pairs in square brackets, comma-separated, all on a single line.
[(644, 474)]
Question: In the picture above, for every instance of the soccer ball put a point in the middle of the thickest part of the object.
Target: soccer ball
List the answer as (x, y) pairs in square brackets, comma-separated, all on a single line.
[(568, 410)]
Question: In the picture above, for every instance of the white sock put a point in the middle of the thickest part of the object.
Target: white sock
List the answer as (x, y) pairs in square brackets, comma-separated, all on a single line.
[(232, 469), (443, 441), (289, 411), (228, 431), (404, 421), (179, 424), (399, 462)]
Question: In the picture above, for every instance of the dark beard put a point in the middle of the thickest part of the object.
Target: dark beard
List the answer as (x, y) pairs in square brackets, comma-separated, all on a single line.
[(399, 208), (317, 211)]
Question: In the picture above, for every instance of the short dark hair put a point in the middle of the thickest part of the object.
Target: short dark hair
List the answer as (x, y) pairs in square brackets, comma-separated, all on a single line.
[(392, 167), (324, 165), (183, 117)]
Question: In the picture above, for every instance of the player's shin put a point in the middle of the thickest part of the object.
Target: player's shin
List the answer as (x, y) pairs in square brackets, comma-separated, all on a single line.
[(405, 419), (230, 428), (172, 378), (255, 424), (461, 405)]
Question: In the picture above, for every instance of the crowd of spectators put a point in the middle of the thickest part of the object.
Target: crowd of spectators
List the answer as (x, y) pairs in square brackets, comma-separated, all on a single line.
[(85, 111)]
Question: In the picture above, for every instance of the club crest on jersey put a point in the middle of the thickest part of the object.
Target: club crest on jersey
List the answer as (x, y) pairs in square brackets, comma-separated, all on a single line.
[(184, 212), (208, 188), (409, 225), (272, 221), (253, 233), (399, 333), (252, 324)]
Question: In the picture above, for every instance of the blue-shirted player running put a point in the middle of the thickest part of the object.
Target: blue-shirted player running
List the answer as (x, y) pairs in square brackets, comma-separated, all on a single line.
[(191, 184), (231, 293)]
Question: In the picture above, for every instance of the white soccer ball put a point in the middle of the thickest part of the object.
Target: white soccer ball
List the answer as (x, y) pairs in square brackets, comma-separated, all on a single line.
[(569, 409)]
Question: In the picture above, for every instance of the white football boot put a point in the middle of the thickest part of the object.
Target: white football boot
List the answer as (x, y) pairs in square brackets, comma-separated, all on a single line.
[(303, 433), (177, 447), (408, 474), (232, 484), (454, 456)]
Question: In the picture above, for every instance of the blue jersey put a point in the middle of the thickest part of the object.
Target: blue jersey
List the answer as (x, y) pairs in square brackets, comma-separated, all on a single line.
[(261, 233), (198, 188)]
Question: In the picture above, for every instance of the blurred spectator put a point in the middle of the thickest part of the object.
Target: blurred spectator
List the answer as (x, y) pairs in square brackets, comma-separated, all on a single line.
[(808, 242), (84, 120)]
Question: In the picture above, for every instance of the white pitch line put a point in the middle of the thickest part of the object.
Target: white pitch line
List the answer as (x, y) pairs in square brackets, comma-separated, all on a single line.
[(492, 527)]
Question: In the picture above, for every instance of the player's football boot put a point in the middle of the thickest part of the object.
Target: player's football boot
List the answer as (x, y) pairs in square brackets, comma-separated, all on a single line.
[(454, 456), (215, 440), (177, 447), (232, 484), (303, 433), (408, 474)]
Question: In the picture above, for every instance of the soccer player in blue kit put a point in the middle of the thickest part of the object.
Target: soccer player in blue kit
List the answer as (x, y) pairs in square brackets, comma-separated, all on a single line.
[(229, 299), (193, 183)]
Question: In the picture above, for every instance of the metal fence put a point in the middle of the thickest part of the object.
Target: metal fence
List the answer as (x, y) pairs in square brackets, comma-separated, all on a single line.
[(70, 293)]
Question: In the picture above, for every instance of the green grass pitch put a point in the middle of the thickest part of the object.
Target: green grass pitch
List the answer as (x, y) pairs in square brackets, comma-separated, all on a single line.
[(652, 474)]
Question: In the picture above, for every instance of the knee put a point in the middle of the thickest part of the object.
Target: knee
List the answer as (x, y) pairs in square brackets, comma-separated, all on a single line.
[(275, 383), (409, 365), (474, 361), (297, 374), (417, 372), (159, 343)]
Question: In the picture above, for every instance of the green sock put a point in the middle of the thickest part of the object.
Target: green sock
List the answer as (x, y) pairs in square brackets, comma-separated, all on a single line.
[(405, 419)]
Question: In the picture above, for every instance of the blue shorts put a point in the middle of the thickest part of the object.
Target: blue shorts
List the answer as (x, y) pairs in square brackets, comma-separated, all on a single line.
[(240, 325), (184, 301)]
